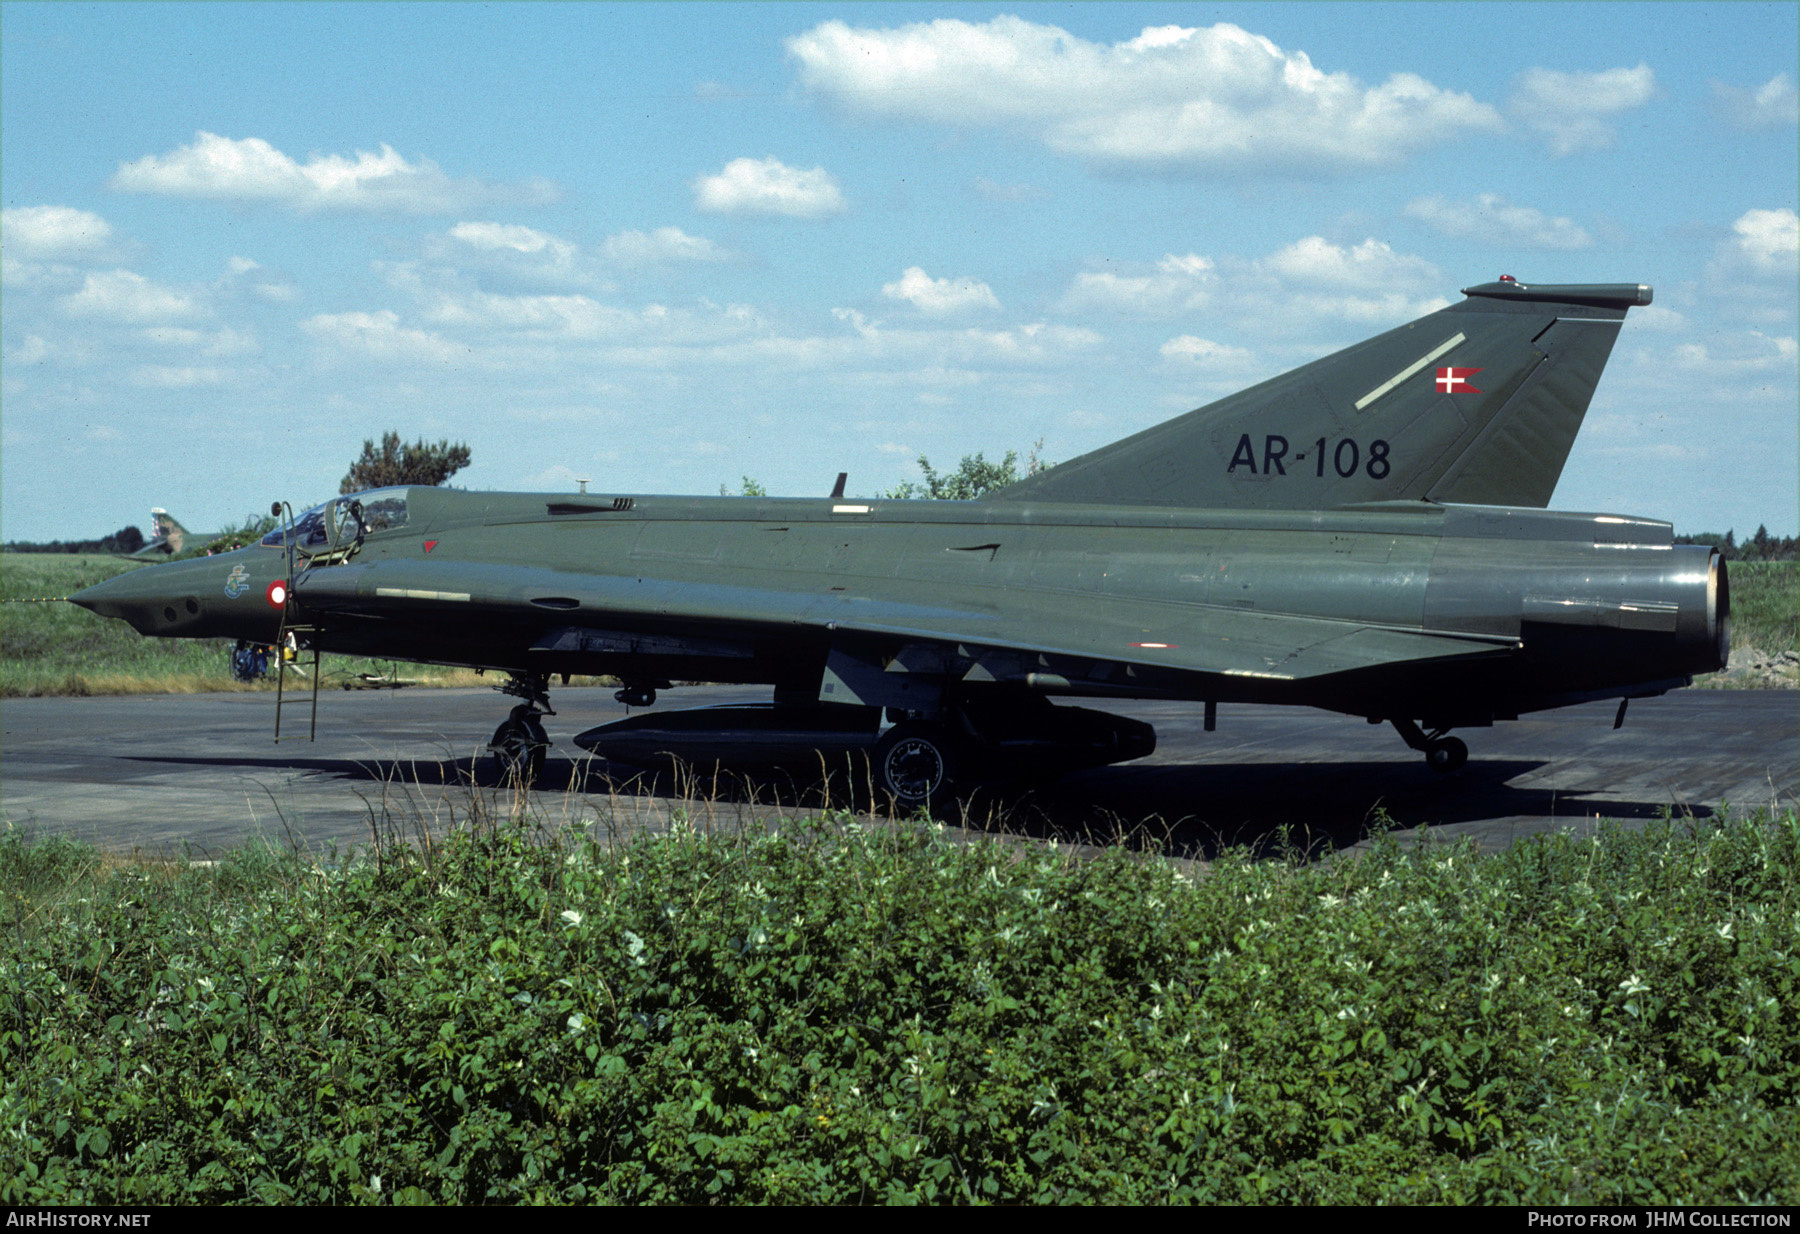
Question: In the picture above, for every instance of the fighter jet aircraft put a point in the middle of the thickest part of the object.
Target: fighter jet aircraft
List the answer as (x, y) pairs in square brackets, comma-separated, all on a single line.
[(168, 538), (1365, 534)]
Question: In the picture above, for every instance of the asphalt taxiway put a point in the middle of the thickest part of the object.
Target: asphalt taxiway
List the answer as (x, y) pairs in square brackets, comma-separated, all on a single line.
[(198, 773)]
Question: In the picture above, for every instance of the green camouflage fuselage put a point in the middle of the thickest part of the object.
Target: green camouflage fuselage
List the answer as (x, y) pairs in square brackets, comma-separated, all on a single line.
[(1460, 614)]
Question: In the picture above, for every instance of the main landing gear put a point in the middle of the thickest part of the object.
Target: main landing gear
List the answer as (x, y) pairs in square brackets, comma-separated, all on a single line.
[(1002, 734), (1442, 753), (915, 763), (519, 744)]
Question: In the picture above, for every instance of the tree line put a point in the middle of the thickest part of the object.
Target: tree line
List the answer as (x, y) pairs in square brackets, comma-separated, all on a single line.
[(124, 540), (974, 476), (1760, 547)]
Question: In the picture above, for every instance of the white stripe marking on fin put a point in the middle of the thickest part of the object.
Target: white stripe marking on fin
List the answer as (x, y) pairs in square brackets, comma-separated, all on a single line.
[(1408, 371)]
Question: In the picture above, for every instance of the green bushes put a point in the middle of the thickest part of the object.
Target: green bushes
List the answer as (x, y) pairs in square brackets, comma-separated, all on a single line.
[(845, 1013)]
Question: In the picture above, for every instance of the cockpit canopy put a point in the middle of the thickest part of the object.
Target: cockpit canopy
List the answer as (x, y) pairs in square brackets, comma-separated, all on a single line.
[(343, 520)]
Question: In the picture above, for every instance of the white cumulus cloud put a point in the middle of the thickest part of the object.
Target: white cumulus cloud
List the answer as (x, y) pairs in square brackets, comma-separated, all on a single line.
[(663, 246), (1311, 278), (1752, 271), (483, 318), (1205, 352), (768, 186), (1770, 105), (939, 296), (511, 236), (175, 377), (1574, 111), (221, 342), (1176, 283), (1371, 264), (34, 350), (124, 296), (1173, 98), (1727, 355), (1033, 343), (253, 170), (576, 316), (51, 231), (1769, 240), (378, 336), (506, 256), (1491, 219)]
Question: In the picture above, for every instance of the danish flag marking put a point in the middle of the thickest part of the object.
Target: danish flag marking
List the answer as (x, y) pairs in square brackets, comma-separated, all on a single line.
[(1456, 380)]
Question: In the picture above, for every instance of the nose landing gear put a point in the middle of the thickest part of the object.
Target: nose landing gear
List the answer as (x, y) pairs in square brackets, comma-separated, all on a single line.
[(1442, 753), (519, 744), (1446, 754)]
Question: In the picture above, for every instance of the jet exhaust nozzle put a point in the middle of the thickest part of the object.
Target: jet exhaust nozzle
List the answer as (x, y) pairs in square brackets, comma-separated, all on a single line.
[(1668, 620)]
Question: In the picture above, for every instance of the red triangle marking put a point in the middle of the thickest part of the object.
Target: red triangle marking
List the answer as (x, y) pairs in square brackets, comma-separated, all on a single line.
[(430, 544)]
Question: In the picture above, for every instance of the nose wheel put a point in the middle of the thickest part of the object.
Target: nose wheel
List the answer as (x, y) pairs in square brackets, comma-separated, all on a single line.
[(520, 743), (1442, 753), (1446, 754)]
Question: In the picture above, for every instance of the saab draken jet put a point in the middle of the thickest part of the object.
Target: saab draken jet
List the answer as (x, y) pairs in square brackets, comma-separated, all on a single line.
[(168, 538), (1366, 534)]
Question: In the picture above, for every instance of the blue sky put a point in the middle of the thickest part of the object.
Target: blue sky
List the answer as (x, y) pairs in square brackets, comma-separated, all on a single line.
[(664, 247)]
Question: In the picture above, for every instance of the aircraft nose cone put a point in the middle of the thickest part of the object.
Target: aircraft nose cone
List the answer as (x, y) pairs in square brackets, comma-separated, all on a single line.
[(109, 599), (92, 598), (205, 598), (145, 599)]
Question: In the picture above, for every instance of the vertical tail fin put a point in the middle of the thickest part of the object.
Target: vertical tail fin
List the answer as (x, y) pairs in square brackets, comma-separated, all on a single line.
[(1479, 402), (168, 537)]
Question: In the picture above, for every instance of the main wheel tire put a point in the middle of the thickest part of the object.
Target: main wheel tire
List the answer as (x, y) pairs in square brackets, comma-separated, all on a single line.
[(915, 765), (518, 747), (1446, 754)]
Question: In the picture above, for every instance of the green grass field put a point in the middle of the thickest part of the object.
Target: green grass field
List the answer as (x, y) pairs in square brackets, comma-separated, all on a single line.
[(1765, 626), (1765, 605), (61, 649)]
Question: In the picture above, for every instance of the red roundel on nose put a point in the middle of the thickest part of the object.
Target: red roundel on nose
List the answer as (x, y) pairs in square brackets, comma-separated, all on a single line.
[(278, 593)]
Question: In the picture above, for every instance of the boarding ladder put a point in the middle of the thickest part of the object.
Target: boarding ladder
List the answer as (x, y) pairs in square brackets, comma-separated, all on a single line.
[(294, 626), (302, 634)]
